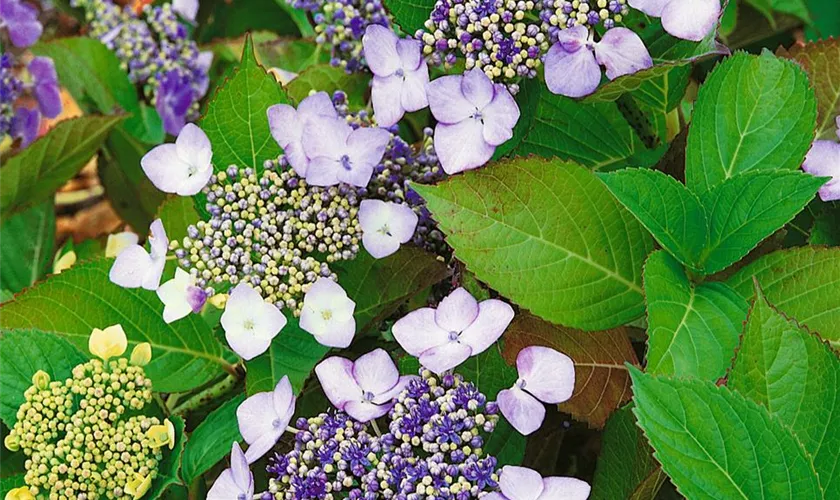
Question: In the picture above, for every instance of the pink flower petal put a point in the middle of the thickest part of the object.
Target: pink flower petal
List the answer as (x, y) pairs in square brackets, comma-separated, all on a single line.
[(549, 375), (493, 318), (336, 377), (477, 88), (522, 410), (445, 356), (456, 311), (690, 20), (520, 483), (564, 488), (446, 101), (375, 372), (417, 331), (461, 146), (380, 46), (571, 72), (622, 52)]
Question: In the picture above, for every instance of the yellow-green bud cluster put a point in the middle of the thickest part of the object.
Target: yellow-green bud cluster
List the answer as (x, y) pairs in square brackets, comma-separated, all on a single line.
[(84, 437)]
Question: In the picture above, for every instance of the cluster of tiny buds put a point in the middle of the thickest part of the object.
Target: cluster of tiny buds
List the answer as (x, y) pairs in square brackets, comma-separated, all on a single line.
[(10, 88), (562, 14), (432, 450), (502, 37), (340, 24), (83, 437), (273, 230)]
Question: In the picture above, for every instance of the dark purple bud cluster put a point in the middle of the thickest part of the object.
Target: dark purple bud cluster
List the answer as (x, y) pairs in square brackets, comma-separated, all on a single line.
[(274, 231), (10, 89), (433, 449), (38, 81), (340, 24), (155, 49)]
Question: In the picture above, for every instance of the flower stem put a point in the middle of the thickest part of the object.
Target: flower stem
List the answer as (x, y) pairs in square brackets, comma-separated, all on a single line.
[(206, 396)]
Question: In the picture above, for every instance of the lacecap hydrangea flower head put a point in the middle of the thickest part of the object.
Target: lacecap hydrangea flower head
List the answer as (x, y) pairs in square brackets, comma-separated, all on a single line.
[(87, 436)]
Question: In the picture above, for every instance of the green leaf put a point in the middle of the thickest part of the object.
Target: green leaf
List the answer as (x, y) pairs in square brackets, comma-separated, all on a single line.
[(601, 380), (410, 15), (821, 60), (749, 207), (176, 214), (547, 235), (826, 230), (506, 444), (692, 329), (210, 442), (233, 19), (804, 283), (236, 120), (672, 213), (293, 353), (626, 467), (714, 443), (291, 55), (168, 471), (185, 354), (380, 286), (94, 77), (827, 23), (595, 135), (10, 483), (28, 259), (657, 97), (753, 113), (328, 78), (33, 175), (795, 376), (24, 352), (793, 7)]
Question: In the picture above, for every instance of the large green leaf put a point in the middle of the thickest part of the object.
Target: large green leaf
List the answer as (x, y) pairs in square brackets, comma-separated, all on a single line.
[(821, 60), (753, 113), (177, 213), (804, 283), (93, 76), (24, 352), (27, 259), (547, 235), (293, 353), (211, 440), (328, 78), (410, 15), (692, 329), (796, 376), (672, 213), (626, 467), (236, 120), (185, 354), (33, 175), (601, 380), (714, 443), (749, 207)]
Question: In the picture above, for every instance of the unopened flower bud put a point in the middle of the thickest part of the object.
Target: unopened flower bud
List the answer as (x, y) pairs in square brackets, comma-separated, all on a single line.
[(41, 380), (141, 354)]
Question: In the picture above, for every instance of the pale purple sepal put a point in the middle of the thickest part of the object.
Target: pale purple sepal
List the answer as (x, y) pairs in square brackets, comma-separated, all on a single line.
[(263, 418), (46, 88), (474, 116), (622, 52), (823, 160), (174, 98), (327, 314), (522, 483), (25, 124), (689, 20), (21, 21), (400, 74), (183, 167), (287, 125), (250, 323), (366, 388), (385, 226), (444, 337), (521, 409), (235, 482), (180, 296), (187, 9), (134, 267), (337, 153)]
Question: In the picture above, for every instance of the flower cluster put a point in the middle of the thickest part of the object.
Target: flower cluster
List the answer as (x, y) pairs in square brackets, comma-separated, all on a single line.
[(86, 437), (433, 449), (340, 24), (155, 49), (274, 231), (561, 14)]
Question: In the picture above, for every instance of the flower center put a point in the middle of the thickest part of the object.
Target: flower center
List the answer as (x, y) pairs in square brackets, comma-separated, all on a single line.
[(385, 230), (192, 170), (345, 162), (277, 423), (478, 116), (521, 383), (453, 336), (400, 73), (326, 314), (242, 496), (248, 325), (367, 396)]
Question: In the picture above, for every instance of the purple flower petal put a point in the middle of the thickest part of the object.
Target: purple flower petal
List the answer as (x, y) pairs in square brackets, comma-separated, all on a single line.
[(411, 53), (236, 481), (395, 391), (284, 124), (380, 46), (445, 356), (572, 72), (158, 241), (327, 314), (622, 52), (46, 88), (456, 311), (366, 146), (386, 97), (365, 411), (549, 375), (522, 410), (174, 296), (250, 323), (520, 483), (461, 146), (129, 268), (414, 89), (187, 9), (25, 125), (167, 171), (650, 7), (287, 126), (336, 377), (283, 398), (376, 372), (325, 137), (500, 116), (477, 88), (447, 102), (564, 488), (690, 20), (174, 98), (263, 418), (493, 318), (385, 225), (417, 331), (823, 160), (21, 20)]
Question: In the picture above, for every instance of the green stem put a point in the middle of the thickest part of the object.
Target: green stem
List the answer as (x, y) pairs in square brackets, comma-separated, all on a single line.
[(206, 396)]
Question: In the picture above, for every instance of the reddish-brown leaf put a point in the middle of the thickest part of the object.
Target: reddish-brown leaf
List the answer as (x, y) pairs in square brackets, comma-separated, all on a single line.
[(602, 382), (821, 60)]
